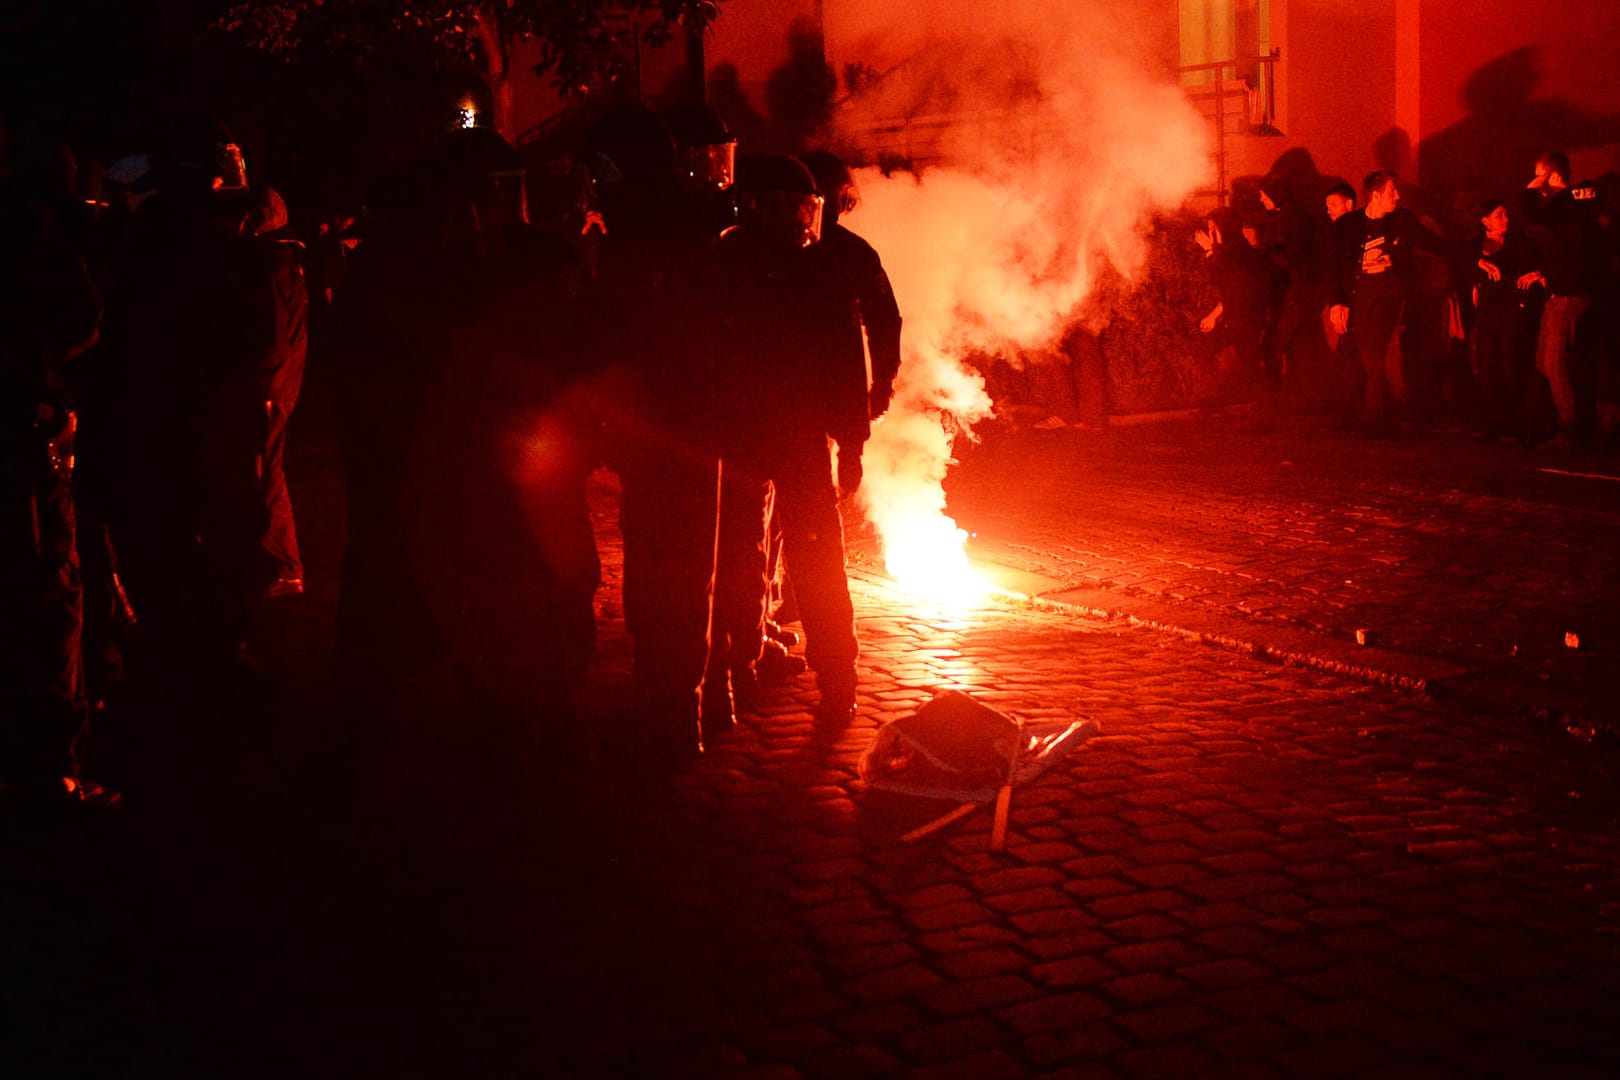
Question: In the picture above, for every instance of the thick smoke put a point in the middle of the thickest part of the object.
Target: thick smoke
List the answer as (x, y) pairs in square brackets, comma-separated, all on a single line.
[(1045, 137)]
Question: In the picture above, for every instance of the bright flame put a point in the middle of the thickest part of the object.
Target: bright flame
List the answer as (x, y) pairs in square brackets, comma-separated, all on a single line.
[(1056, 148), (903, 493)]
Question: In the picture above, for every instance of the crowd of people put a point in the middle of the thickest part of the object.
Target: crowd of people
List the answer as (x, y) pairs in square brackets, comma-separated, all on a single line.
[(702, 325), (154, 341), (696, 322), (1387, 320)]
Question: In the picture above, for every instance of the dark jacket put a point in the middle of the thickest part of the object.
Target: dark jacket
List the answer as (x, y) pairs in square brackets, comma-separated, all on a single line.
[(789, 331), (49, 311), (1500, 301), (1374, 257), (1240, 274), (180, 328), (280, 313), (874, 297), (1565, 234)]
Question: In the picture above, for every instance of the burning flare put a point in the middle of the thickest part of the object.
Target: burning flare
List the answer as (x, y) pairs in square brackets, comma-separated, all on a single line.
[(1044, 154), (904, 494)]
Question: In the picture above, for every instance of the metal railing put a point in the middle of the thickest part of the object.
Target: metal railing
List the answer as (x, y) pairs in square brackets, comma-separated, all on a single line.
[(1257, 92)]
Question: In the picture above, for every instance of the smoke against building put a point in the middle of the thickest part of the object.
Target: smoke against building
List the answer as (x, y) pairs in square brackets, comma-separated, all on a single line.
[(1014, 161)]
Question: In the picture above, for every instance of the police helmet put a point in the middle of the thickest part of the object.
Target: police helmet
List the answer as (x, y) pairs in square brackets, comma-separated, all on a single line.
[(834, 181), (777, 197), (705, 150)]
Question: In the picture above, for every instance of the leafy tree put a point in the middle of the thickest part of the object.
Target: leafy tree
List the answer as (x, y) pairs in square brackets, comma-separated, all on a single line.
[(580, 40)]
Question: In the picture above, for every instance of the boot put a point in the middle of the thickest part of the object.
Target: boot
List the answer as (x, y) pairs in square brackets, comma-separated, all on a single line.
[(776, 665), (836, 708), (717, 715)]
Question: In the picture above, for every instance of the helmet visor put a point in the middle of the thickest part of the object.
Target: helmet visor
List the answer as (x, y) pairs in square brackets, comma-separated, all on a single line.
[(788, 217), (230, 170), (708, 166)]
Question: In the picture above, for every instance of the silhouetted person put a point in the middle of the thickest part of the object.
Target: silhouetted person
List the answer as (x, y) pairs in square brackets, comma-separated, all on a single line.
[(48, 314), (1296, 342), (281, 310), (660, 418), (1501, 339), (183, 354), (1374, 252), (1567, 263), (393, 322), (857, 260), (790, 330), (470, 548), (1236, 325), (763, 656), (108, 619)]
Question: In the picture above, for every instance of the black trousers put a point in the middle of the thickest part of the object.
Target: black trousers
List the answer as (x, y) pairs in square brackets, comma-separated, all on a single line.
[(668, 515), (42, 700), (794, 479), (280, 541), (1376, 319)]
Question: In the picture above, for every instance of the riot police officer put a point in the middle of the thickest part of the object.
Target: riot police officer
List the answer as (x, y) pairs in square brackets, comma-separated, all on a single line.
[(470, 539), (791, 336), (181, 352), (659, 409), (860, 263), (48, 314)]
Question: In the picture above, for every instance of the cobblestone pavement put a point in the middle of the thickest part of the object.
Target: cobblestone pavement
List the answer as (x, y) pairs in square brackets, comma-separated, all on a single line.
[(1465, 563), (1254, 869)]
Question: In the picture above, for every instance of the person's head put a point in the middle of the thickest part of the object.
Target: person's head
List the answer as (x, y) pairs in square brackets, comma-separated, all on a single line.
[(1225, 226), (487, 181), (266, 214), (835, 182), (1380, 193), (778, 203), (1339, 200), (705, 150), (1552, 170), (129, 181), (630, 155), (1276, 192), (1493, 216), (197, 150)]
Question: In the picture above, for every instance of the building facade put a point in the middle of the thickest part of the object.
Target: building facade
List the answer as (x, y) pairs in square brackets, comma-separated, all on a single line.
[(1456, 95)]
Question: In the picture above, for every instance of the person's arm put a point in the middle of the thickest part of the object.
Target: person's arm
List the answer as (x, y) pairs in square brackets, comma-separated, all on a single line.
[(1424, 238), (58, 313), (1341, 237), (1530, 265), (260, 313), (881, 315)]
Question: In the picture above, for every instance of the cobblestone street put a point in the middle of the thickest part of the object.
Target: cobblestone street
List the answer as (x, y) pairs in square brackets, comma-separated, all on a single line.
[(1281, 854), (1254, 868), (1465, 564)]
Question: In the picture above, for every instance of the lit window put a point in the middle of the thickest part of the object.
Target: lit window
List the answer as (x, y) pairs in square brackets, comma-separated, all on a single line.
[(1227, 44), (1219, 31)]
